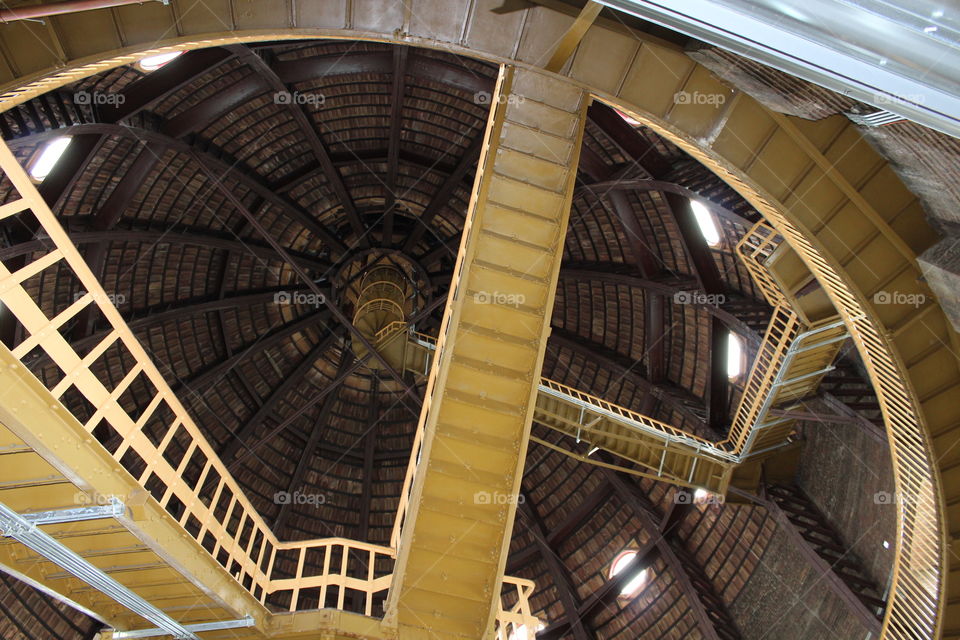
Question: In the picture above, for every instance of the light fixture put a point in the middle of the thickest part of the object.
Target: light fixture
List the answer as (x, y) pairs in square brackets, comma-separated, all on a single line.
[(700, 495), (706, 223), (45, 160), (633, 586), (593, 451), (734, 355), (886, 545), (152, 63)]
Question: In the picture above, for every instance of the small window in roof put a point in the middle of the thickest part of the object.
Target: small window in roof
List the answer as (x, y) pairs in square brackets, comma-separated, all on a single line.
[(633, 586), (44, 161), (152, 63), (520, 632), (734, 355), (708, 226)]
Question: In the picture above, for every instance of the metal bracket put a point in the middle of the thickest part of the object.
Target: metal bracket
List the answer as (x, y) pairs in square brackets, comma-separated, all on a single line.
[(25, 531), (114, 509)]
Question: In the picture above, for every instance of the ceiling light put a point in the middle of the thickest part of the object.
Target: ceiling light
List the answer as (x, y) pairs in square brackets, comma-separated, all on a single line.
[(633, 586), (706, 223), (152, 63), (734, 355), (593, 451), (886, 545), (700, 495), (44, 161)]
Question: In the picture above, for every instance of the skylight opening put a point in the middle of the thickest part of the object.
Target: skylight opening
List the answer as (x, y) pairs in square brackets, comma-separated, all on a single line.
[(633, 586), (633, 122), (152, 63), (46, 159), (734, 355), (520, 632), (708, 227)]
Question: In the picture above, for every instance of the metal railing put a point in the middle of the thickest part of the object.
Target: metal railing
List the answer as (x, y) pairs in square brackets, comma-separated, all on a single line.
[(210, 504), (913, 604)]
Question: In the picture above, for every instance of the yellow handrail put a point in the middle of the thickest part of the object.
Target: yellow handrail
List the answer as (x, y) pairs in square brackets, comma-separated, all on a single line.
[(214, 504)]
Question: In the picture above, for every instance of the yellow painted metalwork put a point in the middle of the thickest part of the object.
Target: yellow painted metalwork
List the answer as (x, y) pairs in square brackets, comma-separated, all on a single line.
[(381, 304), (790, 363), (571, 39), (476, 418), (835, 200), (52, 461)]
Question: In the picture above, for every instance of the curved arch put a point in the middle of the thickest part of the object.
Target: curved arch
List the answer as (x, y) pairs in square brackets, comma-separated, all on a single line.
[(799, 175)]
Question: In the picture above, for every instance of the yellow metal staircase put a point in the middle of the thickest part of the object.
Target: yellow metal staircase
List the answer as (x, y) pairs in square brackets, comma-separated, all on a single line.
[(131, 516), (480, 394), (798, 349), (127, 535)]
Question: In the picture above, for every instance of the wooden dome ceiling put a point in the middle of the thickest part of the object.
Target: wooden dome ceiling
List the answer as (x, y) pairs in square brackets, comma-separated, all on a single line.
[(348, 152)]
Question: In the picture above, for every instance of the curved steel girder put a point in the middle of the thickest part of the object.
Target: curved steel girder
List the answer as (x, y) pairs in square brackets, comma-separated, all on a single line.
[(278, 74), (431, 69), (604, 187), (445, 192), (266, 75), (369, 156), (234, 172), (560, 574), (184, 236), (319, 424), (676, 291), (220, 368), (267, 406), (671, 290), (676, 397), (157, 314)]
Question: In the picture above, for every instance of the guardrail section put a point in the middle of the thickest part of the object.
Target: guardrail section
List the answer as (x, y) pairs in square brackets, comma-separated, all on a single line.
[(138, 421)]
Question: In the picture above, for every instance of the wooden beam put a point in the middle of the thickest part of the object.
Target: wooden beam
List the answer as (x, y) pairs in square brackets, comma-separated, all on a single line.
[(562, 581), (233, 171), (677, 398), (298, 112), (313, 441), (400, 54), (290, 381), (444, 192)]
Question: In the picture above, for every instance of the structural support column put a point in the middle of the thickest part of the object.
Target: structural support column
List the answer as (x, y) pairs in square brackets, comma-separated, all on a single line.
[(481, 391)]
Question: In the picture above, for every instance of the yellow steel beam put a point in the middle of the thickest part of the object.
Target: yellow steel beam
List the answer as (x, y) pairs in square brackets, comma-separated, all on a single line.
[(30, 414), (483, 384), (571, 39)]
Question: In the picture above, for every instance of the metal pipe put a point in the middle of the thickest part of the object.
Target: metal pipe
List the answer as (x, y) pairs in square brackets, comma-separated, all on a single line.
[(29, 535), (32, 12)]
